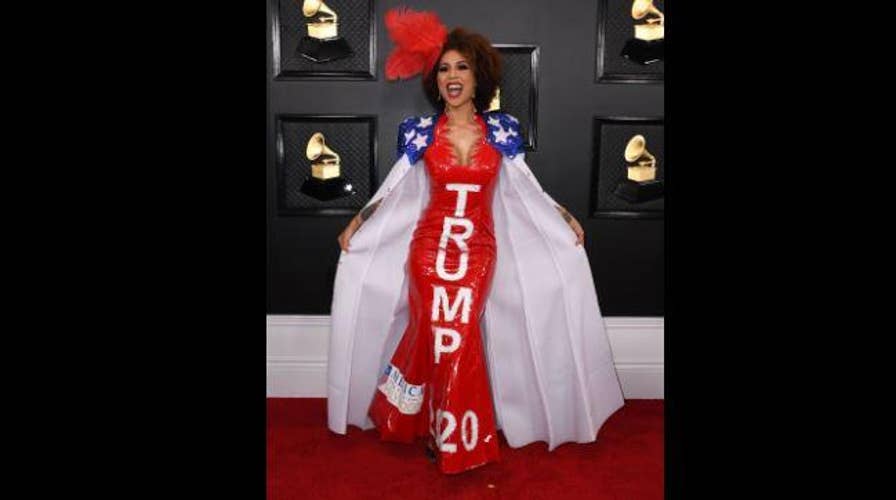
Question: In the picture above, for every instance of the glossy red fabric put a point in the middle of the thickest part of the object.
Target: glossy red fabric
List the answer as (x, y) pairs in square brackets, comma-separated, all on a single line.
[(437, 383)]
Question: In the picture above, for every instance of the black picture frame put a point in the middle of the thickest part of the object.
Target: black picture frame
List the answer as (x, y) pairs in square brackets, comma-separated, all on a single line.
[(287, 180), (287, 67), (525, 105), (618, 69), (621, 209)]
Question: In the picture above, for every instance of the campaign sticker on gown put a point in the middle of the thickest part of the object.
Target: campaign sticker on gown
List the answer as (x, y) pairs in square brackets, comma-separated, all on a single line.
[(408, 398)]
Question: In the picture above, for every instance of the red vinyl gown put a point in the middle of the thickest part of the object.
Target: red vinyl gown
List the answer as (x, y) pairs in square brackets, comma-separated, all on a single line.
[(437, 382)]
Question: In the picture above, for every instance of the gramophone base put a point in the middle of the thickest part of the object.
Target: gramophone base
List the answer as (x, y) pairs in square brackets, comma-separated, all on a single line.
[(323, 50), (326, 190), (639, 192), (643, 52)]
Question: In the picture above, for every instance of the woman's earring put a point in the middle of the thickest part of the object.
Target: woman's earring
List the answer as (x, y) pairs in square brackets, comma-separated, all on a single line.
[(440, 97)]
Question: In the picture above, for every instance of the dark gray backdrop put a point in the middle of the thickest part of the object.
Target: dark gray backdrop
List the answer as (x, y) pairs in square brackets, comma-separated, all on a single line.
[(626, 254)]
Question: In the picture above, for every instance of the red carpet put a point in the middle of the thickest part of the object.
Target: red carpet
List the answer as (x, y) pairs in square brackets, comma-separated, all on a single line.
[(307, 460)]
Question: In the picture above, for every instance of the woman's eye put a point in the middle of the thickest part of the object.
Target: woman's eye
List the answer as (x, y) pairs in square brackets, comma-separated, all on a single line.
[(462, 66), (443, 68)]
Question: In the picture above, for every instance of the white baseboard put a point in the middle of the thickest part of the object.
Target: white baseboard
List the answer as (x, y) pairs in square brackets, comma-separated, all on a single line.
[(297, 355)]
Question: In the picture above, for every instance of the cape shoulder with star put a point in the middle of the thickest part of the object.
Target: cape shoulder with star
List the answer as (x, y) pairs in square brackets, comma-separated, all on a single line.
[(415, 134)]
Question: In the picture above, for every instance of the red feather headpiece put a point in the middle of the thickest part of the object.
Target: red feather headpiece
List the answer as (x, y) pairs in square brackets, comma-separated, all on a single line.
[(418, 37)]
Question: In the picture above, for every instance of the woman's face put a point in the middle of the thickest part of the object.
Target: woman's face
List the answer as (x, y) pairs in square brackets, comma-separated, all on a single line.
[(455, 78)]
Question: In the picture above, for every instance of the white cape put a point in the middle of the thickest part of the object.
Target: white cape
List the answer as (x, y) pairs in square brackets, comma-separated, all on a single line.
[(549, 361)]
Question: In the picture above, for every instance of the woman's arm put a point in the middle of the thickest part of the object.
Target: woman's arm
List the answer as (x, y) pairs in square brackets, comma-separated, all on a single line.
[(512, 147), (355, 223), (408, 154), (573, 223), (367, 211)]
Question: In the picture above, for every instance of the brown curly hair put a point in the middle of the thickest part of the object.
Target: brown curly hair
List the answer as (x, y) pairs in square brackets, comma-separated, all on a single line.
[(486, 63)]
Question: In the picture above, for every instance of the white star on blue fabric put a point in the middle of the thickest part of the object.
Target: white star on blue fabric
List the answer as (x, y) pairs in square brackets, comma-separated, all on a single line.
[(425, 122), (501, 135), (408, 136), (420, 141), (504, 134)]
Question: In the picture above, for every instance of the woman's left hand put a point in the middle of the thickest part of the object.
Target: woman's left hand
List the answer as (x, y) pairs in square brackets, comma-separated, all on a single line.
[(574, 224)]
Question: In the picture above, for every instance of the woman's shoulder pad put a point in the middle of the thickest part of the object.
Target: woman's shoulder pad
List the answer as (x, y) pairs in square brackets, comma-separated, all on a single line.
[(415, 135), (504, 132)]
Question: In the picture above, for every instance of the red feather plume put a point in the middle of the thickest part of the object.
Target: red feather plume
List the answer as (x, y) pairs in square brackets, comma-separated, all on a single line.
[(418, 38)]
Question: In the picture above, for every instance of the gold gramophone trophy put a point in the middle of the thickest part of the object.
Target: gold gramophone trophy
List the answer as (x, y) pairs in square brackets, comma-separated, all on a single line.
[(325, 183), (641, 183), (648, 45), (322, 43), (495, 104)]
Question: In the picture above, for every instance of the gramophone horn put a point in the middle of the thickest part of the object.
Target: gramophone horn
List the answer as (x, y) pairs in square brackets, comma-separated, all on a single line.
[(312, 7), (635, 148), (317, 149), (636, 151), (641, 8), (315, 146)]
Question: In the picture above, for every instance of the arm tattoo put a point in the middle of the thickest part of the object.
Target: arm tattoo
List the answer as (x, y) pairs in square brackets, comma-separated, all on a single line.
[(564, 213), (368, 210)]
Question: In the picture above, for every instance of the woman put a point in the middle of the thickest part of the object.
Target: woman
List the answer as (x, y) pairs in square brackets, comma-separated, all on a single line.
[(459, 233)]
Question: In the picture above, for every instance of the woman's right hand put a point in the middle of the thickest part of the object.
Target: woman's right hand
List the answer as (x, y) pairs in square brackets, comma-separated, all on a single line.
[(347, 233)]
